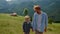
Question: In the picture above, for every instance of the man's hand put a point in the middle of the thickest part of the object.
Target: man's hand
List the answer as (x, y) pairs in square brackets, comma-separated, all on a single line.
[(45, 29)]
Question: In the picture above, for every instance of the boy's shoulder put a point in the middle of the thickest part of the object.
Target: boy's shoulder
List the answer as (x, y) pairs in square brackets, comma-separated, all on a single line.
[(24, 22)]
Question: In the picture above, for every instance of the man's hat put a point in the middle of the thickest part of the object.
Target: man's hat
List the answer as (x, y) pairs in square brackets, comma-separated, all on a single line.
[(37, 7)]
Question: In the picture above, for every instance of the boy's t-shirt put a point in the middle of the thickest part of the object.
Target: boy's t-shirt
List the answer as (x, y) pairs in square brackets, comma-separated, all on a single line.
[(26, 27)]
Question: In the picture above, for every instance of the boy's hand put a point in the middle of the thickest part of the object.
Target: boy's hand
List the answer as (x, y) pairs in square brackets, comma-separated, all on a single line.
[(24, 32), (32, 30)]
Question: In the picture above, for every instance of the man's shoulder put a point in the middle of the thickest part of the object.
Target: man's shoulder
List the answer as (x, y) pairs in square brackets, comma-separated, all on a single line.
[(35, 14), (44, 13)]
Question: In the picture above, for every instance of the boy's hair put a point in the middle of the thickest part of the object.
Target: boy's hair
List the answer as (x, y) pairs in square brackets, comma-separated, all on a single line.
[(27, 17)]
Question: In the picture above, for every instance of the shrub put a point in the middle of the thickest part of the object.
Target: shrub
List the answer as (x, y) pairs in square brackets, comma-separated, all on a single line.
[(50, 20)]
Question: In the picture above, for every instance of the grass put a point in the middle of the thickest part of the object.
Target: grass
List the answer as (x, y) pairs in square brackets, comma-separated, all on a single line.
[(13, 25)]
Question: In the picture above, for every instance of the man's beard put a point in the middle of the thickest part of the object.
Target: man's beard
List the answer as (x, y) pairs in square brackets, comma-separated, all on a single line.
[(39, 12)]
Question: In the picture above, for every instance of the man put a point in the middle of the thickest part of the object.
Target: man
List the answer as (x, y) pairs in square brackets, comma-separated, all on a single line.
[(40, 20)]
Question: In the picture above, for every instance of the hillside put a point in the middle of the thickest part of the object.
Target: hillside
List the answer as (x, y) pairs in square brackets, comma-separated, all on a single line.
[(13, 25), (10, 24)]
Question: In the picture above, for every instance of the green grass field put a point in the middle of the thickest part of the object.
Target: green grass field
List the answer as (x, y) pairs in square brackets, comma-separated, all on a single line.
[(13, 25)]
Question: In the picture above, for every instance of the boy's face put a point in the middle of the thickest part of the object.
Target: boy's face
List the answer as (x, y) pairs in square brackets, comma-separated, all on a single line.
[(27, 19)]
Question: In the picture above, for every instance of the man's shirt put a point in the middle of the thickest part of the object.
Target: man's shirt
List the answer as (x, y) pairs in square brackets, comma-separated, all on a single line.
[(40, 21)]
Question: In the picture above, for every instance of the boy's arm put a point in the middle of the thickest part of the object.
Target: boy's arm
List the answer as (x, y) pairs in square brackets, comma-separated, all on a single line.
[(23, 27), (46, 22), (31, 26)]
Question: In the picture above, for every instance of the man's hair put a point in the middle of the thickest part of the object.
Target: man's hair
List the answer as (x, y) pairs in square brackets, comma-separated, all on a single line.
[(37, 7)]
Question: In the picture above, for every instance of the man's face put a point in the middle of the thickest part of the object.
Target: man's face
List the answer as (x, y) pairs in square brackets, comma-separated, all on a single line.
[(36, 10)]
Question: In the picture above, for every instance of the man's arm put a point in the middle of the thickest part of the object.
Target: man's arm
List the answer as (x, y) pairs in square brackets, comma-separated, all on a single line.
[(46, 22), (33, 21)]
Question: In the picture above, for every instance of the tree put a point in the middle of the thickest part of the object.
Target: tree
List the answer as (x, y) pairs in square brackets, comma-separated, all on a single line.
[(25, 12), (50, 20)]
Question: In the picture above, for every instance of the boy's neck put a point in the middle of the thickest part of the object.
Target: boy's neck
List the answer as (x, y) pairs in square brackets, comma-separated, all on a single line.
[(27, 21)]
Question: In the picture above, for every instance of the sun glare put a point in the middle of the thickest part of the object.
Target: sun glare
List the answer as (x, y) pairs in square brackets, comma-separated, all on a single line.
[(8, 0)]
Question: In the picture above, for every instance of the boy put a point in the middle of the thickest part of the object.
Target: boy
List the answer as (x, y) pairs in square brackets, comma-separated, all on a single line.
[(27, 25)]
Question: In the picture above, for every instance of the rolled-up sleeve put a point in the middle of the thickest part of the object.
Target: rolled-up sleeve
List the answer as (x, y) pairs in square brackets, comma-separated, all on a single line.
[(46, 21), (33, 22)]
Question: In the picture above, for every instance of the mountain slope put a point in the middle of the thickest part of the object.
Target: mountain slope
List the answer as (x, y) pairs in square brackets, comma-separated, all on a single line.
[(51, 7)]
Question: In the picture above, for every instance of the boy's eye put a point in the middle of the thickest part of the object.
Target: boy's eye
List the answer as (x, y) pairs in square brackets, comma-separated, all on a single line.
[(27, 18)]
